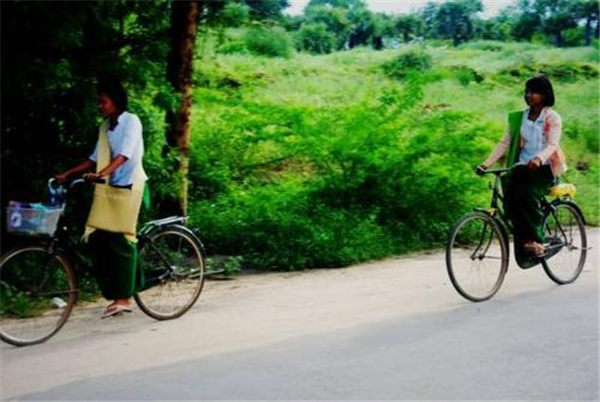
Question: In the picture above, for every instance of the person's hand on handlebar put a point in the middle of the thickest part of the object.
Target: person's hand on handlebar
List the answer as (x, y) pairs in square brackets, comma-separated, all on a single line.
[(93, 178), (481, 169), (62, 178), (84, 166), (534, 163)]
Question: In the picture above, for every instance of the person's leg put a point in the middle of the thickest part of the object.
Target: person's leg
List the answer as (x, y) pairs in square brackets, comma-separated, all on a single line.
[(524, 208), (132, 277), (123, 277), (516, 186), (541, 180), (97, 245)]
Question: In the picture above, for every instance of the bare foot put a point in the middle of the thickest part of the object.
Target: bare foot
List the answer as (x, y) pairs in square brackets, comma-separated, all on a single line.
[(117, 307), (123, 302), (534, 247)]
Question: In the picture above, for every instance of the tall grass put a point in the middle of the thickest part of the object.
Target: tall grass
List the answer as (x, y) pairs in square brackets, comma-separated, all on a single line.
[(320, 161)]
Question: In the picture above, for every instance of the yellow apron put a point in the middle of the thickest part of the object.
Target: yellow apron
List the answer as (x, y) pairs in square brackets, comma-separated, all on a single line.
[(115, 209)]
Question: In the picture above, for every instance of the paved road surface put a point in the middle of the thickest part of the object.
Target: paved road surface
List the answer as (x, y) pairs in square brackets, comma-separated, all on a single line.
[(392, 329)]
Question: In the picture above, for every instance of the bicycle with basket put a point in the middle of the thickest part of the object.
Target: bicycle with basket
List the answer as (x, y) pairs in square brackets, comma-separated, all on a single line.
[(38, 288)]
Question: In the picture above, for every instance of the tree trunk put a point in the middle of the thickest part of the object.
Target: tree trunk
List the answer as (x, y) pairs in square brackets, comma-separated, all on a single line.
[(558, 40), (352, 41), (377, 43), (588, 31), (184, 22)]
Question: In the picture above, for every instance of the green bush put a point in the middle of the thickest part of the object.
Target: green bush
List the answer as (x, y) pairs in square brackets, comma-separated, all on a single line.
[(270, 42), (466, 75), (568, 72), (540, 38), (234, 14), (234, 46), (280, 227), (315, 38), (224, 265), (356, 184), (585, 134), (322, 161), (573, 36), (412, 60), (489, 46)]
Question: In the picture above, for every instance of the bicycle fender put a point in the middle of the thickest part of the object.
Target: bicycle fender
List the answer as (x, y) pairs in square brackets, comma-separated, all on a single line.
[(572, 204), (192, 235)]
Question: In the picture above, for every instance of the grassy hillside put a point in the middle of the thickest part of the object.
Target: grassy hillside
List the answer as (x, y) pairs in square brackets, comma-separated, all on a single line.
[(318, 161)]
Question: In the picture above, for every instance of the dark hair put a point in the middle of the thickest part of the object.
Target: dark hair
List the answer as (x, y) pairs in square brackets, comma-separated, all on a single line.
[(541, 85), (113, 88)]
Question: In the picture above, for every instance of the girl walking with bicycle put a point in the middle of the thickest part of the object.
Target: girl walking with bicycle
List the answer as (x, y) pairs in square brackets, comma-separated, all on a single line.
[(532, 142), (111, 224), (37, 284)]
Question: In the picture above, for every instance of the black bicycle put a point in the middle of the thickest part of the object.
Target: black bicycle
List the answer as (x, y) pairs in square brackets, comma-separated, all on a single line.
[(37, 285), (477, 252)]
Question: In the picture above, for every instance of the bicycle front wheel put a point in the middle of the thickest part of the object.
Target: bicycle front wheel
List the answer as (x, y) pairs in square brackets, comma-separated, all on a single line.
[(476, 256), (565, 232), (173, 264), (37, 294)]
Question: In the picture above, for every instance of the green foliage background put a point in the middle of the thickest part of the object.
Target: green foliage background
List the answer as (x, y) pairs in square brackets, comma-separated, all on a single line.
[(322, 161), (50, 69), (298, 160)]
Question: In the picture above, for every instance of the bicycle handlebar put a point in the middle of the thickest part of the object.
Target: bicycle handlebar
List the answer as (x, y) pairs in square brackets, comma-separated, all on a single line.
[(496, 171), (76, 182), (500, 171), (54, 185)]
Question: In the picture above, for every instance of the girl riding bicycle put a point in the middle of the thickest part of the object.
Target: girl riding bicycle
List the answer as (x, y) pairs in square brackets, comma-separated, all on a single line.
[(532, 142), (111, 224)]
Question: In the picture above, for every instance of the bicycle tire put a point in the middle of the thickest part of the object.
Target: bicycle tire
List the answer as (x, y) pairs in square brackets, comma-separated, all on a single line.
[(567, 247), (175, 293), (37, 295), (458, 254)]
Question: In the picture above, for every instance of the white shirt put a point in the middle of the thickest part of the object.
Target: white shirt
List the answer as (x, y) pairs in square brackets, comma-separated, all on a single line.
[(125, 139), (551, 132), (532, 134)]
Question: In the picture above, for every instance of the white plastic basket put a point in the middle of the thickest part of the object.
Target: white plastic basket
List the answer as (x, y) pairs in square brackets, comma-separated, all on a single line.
[(32, 221)]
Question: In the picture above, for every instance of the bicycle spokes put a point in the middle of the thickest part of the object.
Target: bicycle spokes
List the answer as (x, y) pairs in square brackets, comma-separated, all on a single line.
[(567, 243), (476, 257), (37, 293), (173, 263), (486, 237)]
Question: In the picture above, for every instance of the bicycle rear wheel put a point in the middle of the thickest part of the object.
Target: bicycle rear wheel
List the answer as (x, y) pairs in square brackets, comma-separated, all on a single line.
[(37, 294), (565, 232), (173, 262), (476, 256)]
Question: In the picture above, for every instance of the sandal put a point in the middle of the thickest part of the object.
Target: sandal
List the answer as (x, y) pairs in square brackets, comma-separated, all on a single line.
[(115, 309)]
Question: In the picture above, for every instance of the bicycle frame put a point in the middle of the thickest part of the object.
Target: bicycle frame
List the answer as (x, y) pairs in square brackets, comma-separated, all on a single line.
[(167, 264), (62, 242), (496, 208), (497, 212), (474, 235), (144, 240)]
